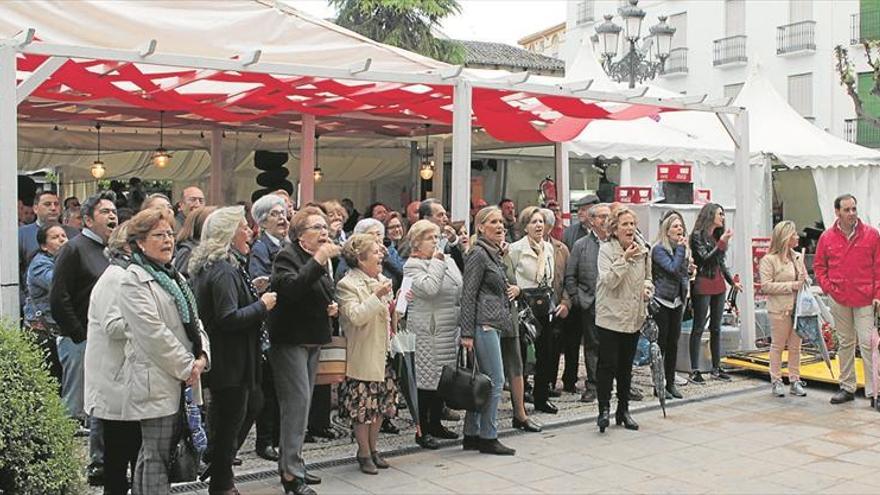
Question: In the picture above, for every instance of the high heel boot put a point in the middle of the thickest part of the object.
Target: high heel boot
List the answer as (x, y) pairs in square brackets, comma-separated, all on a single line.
[(603, 420), (623, 417)]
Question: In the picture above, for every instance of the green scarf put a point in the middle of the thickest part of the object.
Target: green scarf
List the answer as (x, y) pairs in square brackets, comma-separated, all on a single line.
[(175, 285)]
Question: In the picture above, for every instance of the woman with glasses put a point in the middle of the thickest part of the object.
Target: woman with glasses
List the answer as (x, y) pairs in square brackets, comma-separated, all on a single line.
[(709, 242), (298, 326), (167, 347)]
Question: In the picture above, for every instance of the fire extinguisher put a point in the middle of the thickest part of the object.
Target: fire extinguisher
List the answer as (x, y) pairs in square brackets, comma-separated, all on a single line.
[(547, 190)]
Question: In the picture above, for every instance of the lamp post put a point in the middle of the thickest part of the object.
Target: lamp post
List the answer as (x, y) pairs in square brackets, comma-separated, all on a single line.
[(635, 65)]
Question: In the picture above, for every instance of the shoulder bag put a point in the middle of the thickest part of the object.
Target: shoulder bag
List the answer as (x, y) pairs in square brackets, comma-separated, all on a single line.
[(183, 466)]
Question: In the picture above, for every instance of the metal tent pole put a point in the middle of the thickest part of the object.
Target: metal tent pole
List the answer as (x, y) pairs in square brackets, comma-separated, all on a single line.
[(744, 229), (8, 184), (461, 151), (215, 189), (307, 161), (563, 181)]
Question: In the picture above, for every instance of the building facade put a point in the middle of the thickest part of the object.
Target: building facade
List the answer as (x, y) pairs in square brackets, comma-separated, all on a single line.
[(547, 42), (791, 41)]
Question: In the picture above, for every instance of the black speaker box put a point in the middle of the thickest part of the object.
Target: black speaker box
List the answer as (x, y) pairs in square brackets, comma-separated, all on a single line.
[(678, 193)]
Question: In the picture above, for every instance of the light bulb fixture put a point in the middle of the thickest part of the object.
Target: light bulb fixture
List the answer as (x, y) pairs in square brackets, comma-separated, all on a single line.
[(98, 169), (317, 173), (426, 168), (161, 157)]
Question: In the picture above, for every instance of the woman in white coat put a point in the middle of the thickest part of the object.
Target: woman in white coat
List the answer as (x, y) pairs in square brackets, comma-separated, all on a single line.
[(104, 358), (433, 317), (167, 347)]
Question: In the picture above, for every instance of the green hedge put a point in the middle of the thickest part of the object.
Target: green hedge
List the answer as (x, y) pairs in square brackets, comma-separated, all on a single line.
[(38, 454)]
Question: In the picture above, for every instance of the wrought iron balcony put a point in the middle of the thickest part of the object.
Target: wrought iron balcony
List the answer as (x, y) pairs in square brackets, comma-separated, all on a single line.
[(864, 26), (854, 35), (797, 37), (730, 50), (862, 132), (677, 63)]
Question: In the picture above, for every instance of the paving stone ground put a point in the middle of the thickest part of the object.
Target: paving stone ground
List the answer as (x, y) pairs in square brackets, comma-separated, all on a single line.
[(747, 442)]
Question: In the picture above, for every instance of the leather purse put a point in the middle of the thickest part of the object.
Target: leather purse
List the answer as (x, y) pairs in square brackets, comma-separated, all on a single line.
[(464, 388), (183, 466), (332, 361)]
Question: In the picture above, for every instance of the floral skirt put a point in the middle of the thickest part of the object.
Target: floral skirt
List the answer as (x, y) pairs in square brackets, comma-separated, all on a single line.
[(365, 402)]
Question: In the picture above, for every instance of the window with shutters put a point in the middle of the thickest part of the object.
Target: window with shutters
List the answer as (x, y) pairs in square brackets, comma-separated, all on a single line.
[(866, 133), (800, 10), (800, 94), (679, 22), (734, 17), (585, 10), (732, 90)]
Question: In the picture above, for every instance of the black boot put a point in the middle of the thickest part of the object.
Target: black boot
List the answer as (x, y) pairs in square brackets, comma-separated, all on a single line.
[(495, 447), (604, 418), (623, 417)]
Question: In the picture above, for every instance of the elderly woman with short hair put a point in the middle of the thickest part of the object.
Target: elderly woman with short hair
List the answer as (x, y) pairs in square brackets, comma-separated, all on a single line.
[(167, 347), (369, 393), (270, 213), (233, 315), (392, 264), (298, 326), (104, 359), (337, 215), (433, 317)]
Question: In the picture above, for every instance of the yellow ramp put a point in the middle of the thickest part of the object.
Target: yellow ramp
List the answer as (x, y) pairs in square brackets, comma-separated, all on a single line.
[(813, 368)]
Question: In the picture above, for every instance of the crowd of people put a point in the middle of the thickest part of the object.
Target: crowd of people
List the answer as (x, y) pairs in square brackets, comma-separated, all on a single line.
[(227, 308)]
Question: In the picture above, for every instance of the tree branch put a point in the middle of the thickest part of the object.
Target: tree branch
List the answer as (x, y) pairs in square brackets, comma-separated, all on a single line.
[(846, 73)]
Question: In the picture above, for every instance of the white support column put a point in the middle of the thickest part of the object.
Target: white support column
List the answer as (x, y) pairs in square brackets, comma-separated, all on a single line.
[(439, 179), (307, 161), (563, 181), (461, 151), (215, 187), (626, 172), (743, 231), (8, 185)]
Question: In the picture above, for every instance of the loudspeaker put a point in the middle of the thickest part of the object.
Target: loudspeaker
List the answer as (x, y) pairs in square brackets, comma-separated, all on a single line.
[(678, 193)]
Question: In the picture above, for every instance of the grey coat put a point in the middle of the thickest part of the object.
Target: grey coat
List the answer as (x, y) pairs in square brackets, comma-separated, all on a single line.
[(582, 271), (484, 292), (433, 316), (158, 355)]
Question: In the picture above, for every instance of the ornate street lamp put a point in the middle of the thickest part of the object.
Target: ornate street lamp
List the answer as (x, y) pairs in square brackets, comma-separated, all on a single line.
[(635, 64)]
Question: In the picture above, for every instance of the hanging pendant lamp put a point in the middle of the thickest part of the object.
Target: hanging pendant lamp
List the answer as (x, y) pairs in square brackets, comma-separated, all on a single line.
[(426, 169), (98, 169), (161, 157)]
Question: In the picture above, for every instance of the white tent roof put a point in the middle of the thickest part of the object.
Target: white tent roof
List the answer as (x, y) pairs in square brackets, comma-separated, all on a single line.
[(283, 34), (775, 129)]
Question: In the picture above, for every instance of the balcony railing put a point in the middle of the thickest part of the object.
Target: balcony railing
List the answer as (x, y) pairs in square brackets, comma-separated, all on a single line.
[(862, 132), (797, 37), (731, 50), (677, 63), (864, 26)]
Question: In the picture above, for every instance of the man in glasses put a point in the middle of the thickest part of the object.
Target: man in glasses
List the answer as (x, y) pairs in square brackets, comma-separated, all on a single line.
[(78, 266)]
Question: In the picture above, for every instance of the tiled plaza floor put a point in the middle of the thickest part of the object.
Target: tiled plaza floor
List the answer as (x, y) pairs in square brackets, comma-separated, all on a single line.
[(745, 443)]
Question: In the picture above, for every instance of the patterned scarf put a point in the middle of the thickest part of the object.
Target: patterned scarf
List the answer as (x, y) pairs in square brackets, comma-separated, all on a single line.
[(240, 264), (174, 284)]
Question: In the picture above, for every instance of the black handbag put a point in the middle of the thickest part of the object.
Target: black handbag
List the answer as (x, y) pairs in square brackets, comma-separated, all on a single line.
[(183, 466), (464, 388)]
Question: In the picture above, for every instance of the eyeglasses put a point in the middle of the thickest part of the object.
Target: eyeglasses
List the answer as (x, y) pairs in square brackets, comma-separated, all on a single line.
[(278, 214), (318, 228), (161, 236)]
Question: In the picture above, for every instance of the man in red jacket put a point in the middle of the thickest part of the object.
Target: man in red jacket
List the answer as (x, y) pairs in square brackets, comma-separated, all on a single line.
[(847, 266)]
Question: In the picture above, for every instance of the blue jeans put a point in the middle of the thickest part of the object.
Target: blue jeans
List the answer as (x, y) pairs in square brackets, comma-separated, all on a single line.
[(487, 346), (72, 356)]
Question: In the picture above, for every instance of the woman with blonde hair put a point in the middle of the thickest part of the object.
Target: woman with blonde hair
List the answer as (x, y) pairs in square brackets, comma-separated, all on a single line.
[(369, 392), (485, 319), (233, 316), (671, 259), (531, 266), (189, 236), (783, 274), (623, 290)]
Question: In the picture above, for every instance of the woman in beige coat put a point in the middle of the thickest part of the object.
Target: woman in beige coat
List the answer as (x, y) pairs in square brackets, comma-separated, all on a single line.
[(167, 347), (369, 392), (624, 287), (783, 274)]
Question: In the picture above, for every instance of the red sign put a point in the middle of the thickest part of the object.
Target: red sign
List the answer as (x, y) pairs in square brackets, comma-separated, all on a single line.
[(632, 194), (760, 248), (702, 196), (675, 172)]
